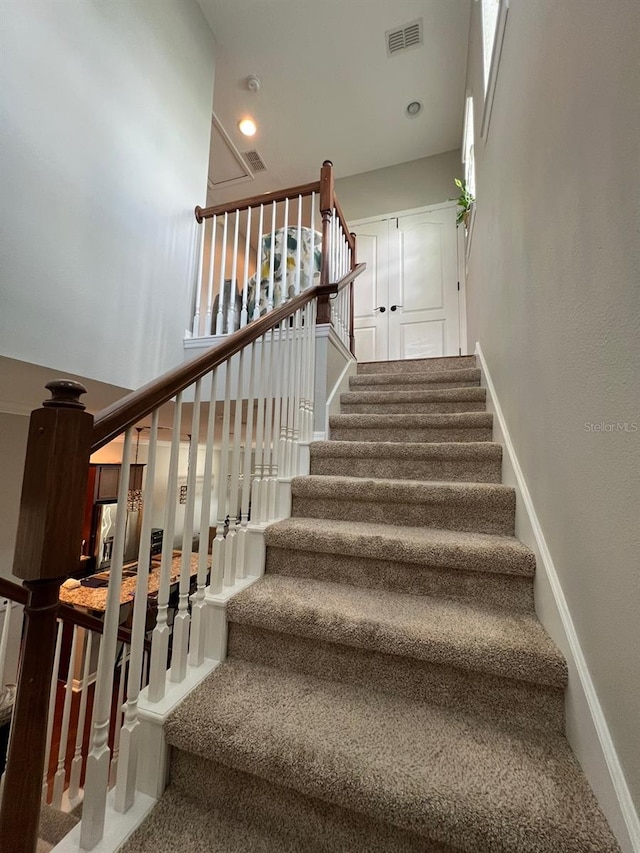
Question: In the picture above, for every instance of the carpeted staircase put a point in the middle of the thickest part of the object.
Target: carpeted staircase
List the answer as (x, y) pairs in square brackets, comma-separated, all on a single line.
[(388, 686)]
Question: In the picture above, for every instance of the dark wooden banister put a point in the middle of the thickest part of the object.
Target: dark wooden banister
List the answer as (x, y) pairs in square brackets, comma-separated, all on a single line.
[(67, 613), (266, 198), (124, 413), (349, 237)]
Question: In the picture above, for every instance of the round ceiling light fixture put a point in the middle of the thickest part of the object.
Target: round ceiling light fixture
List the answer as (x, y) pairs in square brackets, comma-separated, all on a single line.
[(413, 109), (247, 126)]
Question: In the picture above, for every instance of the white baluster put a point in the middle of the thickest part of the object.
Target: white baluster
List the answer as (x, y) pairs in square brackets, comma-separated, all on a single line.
[(212, 259), (258, 468), (52, 708), (182, 620), (58, 779), (97, 777), (231, 544), (127, 764), (246, 470), (115, 754), (299, 249), (312, 261), (297, 393), (291, 394), (233, 288), (223, 257), (272, 254), (311, 340), (279, 417), (245, 285), (195, 330), (219, 543), (258, 287), (269, 437), (162, 629), (284, 278), (73, 793), (199, 606), (4, 639)]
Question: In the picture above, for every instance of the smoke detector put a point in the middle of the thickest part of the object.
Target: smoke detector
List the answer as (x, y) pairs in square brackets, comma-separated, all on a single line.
[(254, 84), (413, 109)]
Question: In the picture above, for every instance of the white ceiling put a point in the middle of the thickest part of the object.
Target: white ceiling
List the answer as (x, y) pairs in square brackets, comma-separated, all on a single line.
[(329, 90)]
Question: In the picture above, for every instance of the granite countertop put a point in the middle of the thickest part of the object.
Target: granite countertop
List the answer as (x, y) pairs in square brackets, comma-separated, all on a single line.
[(95, 598)]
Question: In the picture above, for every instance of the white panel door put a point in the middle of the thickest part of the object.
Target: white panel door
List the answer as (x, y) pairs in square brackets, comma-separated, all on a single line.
[(371, 292), (423, 285)]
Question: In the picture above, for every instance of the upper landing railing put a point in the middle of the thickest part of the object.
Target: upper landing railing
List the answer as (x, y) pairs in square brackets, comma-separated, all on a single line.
[(257, 252), (240, 459)]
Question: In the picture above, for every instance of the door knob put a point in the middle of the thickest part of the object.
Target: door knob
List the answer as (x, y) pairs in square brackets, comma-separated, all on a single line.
[(381, 309), (395, 307)]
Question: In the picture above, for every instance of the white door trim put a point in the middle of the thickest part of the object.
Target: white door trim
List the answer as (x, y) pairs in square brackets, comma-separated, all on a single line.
[(397, 213)]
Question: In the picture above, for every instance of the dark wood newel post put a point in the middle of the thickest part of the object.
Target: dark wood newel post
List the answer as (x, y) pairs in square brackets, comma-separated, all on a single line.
[(354, 262), (326, 209), (47, 551)]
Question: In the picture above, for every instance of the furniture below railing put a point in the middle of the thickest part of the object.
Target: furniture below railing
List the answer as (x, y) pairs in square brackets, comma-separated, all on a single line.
[(245, 445), (258, 252)]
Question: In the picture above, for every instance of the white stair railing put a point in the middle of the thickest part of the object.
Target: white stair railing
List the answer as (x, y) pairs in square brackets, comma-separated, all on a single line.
[(247, 406)]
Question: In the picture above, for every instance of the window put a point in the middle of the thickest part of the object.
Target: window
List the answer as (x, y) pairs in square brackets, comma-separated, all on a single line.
[(468, 139), (494, 20), (490, 9)]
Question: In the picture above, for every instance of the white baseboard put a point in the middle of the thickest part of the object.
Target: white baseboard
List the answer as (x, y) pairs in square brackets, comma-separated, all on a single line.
[(587, 729)]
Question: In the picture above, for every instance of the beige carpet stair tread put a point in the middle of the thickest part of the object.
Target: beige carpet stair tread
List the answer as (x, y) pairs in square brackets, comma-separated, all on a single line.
[(412, 365), (468, 376), (438, 395), (447, 633), (479, 507), (481, 552), (428, 770), (407, 450), (449, 420), (470, 461), (53, 827), (403, 491), (210, 808)]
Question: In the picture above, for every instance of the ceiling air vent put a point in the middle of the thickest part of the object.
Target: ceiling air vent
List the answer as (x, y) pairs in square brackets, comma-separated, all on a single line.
[(255, 161), (402, 38)]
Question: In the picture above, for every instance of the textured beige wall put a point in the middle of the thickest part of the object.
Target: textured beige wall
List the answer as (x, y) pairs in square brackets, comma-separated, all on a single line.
[(554, 299), (402, 187)]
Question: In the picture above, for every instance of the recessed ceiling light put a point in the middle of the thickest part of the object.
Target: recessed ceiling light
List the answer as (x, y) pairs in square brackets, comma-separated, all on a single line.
[(247, 126), (414, 109)]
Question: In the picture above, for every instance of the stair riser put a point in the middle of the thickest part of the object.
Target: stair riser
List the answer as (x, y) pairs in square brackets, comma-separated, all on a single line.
[(480, 516), (434, 408), (511, 592), (488, 697), (430, 365), (411, 434), (364, 383), (289, 819), (463, 470)]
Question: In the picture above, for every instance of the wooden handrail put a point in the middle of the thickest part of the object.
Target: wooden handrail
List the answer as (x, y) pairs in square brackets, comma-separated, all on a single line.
[(67, 613), (124, 413), (266, 198), (349, 237)]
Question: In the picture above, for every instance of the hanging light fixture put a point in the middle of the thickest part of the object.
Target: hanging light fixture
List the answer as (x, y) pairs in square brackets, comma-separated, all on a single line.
[(134, 496)]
